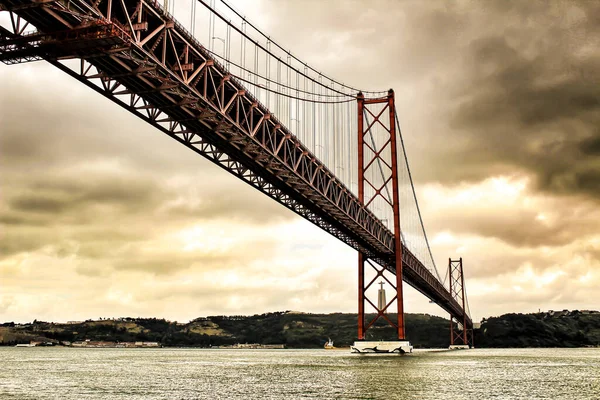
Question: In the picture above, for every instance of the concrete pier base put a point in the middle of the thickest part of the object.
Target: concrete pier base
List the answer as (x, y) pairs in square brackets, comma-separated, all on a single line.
[(459, 347), (398, 346)]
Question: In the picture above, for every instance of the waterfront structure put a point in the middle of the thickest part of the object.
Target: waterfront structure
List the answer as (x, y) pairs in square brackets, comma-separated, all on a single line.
[(34, 343), (253, 346), (327, 151), (106, 344)]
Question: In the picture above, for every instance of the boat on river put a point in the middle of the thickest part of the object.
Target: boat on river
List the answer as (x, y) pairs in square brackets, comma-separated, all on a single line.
[(329, 345)]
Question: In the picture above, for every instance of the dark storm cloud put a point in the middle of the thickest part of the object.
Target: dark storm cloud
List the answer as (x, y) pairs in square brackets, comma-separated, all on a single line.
[(106, 213), (65, 195), (15, 218), (15, 242), (591, 145), (38, 204), (530, 96), (507, 87)]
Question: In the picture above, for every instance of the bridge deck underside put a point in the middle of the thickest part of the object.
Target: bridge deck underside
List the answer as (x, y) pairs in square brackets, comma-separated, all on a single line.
[(200, 105)]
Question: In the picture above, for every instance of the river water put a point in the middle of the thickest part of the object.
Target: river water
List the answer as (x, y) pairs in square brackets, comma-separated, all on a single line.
[(67, 373)]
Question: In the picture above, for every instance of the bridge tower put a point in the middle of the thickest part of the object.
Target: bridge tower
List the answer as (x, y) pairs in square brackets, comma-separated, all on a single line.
[(377, 171), (461, 335)]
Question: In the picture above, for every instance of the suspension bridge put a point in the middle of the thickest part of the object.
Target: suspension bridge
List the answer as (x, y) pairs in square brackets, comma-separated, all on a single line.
[(214, 82)]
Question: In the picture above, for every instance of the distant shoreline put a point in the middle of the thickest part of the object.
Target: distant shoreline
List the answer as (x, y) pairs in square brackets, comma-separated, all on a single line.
[(340, 349), (293, 330)]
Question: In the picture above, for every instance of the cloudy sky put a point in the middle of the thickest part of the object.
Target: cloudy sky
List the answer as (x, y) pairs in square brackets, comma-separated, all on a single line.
[(499, 101)]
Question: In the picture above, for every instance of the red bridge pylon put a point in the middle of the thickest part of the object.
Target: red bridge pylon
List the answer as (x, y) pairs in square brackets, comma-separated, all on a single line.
[(378, 167), (460, 333)]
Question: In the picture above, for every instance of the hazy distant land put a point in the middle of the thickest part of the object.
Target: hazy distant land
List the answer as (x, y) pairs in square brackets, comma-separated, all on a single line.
[(304, 330)]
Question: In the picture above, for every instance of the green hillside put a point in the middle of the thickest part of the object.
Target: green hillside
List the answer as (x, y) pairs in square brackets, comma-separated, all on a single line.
[(561, 329), (303, 330), (296, 330)]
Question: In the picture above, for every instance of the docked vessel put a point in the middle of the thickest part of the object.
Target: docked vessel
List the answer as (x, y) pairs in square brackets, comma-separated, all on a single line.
[(329, 345)]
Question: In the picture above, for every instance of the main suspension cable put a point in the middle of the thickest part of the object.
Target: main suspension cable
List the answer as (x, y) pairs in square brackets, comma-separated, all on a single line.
[(237, 13), (268, 51), (287, 52), (415, 194), (276, 82), (267, 89)]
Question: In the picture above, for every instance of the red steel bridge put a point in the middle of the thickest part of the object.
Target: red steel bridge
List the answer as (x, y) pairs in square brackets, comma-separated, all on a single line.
[(329, 152)]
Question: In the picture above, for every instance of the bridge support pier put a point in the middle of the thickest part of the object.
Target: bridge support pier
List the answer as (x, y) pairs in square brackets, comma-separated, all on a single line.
[(378, 168), (461, 334)]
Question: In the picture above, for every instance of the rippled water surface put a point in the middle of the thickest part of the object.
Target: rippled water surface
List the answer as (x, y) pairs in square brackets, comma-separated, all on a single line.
[(65, 373)]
